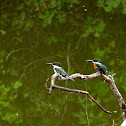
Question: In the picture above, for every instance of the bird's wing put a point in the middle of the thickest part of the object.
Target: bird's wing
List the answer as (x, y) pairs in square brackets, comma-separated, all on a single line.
[(62, 72), (102, 67)]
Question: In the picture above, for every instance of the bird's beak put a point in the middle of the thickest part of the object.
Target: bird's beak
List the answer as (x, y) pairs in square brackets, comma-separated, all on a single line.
[(89, 60), (49, 63)]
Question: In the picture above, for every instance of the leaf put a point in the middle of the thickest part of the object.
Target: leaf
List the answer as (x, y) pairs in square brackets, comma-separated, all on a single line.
[(2, 53), (23, 15), (29, 23), (89, 20), (116, 3), (13, 97), (99, 53), (121, 62), (124, 11), (9, 116), (53, 4), (53, 39), (4, 104), (16, 85), (3, 92), (62, 18), (97, 34), (107, 8), (88, 31), (75, 1), (123, 2), (100, 115), (2, 32), (100, 27), (85, 34), (100, 3), (81, 116), (47, 17), (13, 72), (59, 5), (25, 94)]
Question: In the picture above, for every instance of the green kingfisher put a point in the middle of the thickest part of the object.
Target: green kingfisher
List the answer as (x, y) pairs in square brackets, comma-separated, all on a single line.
[(99, 66), (58, 69)]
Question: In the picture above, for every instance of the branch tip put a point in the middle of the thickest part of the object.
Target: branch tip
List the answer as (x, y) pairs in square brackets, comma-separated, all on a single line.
[(46, 87), (113, 74)]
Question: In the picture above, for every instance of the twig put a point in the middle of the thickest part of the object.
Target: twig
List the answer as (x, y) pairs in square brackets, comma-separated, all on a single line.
[(46, 84), (12, 52), (92, 99)]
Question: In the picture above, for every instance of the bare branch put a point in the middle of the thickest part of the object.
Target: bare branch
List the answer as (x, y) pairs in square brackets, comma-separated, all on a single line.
[(91, 98), (12, 52), (109, 79), (46, 84), (83, 77), (115, 90), (77, 75)]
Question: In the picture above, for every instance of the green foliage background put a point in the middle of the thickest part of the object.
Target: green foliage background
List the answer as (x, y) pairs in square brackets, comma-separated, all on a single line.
[(33, 32)]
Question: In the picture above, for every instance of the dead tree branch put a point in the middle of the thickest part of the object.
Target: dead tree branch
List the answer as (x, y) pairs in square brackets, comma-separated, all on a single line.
[(109, 79), (77, 75), (115, 90)]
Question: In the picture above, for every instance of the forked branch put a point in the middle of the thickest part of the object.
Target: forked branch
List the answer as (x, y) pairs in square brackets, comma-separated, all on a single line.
[(77, 75), (108, 79)]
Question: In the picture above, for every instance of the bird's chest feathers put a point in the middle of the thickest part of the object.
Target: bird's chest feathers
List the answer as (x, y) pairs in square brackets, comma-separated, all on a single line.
[(55, 68), (95, 65)]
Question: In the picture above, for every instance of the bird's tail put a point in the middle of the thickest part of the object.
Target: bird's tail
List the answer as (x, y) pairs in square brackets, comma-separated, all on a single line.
[(110, 72), (71, 78)]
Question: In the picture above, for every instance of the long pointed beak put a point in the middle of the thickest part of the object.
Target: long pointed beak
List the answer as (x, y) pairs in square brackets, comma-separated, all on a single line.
[(89, 60), (49, 63)]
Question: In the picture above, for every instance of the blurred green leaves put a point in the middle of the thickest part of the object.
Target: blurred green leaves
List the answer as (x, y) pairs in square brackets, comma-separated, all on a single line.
[(8, 92), (100, 27), (47, 17), (8, 95), (95, 27), (2, 32), (10, 116), (81, 116), (16, 85), (100, 3), (109, 5), (123, 2), (30, 18), (62, 18)]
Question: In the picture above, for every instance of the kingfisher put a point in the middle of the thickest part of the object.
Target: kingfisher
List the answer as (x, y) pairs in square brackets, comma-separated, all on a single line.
[(58, 69), (99, 66)]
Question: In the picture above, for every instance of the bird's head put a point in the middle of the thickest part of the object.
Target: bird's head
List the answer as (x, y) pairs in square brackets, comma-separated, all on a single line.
[(54, 64), (95, 60)]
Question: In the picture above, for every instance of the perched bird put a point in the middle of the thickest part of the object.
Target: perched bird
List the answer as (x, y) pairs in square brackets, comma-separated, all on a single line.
[(99, 66), (58, 69)]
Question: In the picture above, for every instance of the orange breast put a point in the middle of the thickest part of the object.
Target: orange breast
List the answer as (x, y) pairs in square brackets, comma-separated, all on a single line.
[(95, 66)]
